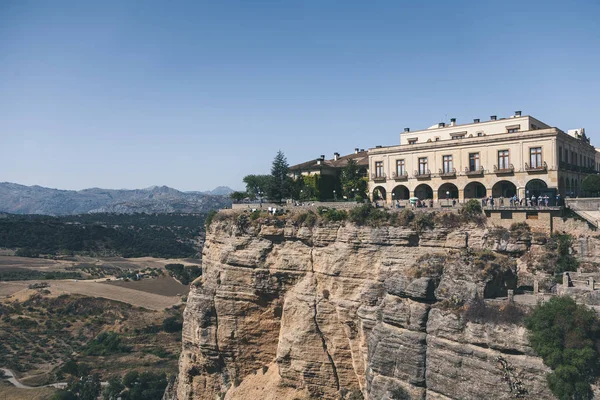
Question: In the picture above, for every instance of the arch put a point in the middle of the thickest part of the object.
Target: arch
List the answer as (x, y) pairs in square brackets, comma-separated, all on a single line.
[(475, 190), (504, 189), (535, 187), (561, 186), (447, 191), (379, 193), (424, 191), (573, 187), (400, 192)]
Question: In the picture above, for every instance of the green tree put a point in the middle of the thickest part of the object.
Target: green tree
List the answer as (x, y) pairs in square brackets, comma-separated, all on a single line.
[(280, 181), (143, 386), (85, 388), (566, 335), (238, 196), (257, 185), (352, 182), (591, 185), (113, 389)]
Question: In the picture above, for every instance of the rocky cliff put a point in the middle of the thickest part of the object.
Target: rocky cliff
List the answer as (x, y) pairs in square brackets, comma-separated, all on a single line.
[(339, 311)]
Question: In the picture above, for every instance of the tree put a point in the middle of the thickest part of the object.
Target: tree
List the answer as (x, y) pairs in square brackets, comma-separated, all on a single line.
[(238, 196), (352, 182), (85, 388), (257, 185), (591, 184), (113, 389), (280, 182), (567, 335)]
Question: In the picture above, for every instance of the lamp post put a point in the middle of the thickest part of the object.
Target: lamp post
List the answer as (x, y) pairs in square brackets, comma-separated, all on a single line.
[(301, 194), (448, 197), (334, 196)]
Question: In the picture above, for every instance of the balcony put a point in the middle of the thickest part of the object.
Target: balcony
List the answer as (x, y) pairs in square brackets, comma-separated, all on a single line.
[(378, 177), (504, 171), (425, 174), (448, 174), (475, 172), (537, 169), (400, 177)]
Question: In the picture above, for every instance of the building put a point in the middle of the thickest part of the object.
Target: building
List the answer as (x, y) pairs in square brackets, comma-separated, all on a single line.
[(333, 167), (500, 157)]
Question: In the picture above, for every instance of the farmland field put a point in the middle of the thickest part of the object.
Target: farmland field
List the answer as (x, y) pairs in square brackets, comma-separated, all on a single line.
[(164, 286)]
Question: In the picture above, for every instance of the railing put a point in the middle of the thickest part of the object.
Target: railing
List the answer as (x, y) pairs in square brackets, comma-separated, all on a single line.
[(448, 174), (539, 168), (423, 174), (378, 177), (500, 171), (400, 177), (477, 172)]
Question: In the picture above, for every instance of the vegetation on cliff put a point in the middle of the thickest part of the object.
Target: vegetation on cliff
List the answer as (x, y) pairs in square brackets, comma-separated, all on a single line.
[(567, 336)]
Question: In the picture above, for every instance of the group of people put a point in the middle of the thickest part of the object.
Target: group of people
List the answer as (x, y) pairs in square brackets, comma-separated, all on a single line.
[(514, 201)]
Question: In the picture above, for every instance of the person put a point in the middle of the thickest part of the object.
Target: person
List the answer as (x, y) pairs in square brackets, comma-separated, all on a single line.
[(558, 199), (546, 200), (533, 199), (453, 202), (483, 202), (491, 201), (431, 203), (501, 202), (511, 201)]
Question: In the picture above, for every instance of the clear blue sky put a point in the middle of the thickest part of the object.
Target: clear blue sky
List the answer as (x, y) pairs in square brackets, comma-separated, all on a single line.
[(195, 94)]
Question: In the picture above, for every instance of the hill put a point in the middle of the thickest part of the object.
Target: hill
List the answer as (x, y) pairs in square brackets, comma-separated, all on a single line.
[(20, 199)]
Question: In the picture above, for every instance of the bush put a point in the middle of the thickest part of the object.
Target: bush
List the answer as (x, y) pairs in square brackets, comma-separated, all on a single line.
[(566, 336), (423, 221), (210, 217), (471, 207), (106, 343), (333, 214), (478, 311), (519, 229), (172, 324)]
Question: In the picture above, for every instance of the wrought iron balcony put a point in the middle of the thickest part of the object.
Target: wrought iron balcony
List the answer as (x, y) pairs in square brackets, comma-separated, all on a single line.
[(400, 177), (500, 171), (426, 174), (448, 174), (378, 177), (475, 172), (539, 168)]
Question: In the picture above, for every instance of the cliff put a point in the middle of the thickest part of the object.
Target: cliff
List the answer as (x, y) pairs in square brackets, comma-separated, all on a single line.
[(340, 311)]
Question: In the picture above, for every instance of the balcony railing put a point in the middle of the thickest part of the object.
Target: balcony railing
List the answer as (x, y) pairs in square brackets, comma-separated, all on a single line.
[(509, 170), (448, 174), (476, 172), (378, 177), (539, 168), (425, 174), (400, 177)]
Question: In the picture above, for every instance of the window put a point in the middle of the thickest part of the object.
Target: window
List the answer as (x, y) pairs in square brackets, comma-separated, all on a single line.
[(531, 215), (573, 158), (513, 130), (412, 141), (479, 134), (437, 138), (447, 163), (474, 162), (506, 215), (400, 170), (379, 169), (423, 166), (567, 156), (503, 159), (560, 154), (535, 157)]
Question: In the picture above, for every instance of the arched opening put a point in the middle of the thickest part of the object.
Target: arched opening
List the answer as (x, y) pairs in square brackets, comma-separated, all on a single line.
[(379, 193), (535, 187), (573, 187), (400, 192), (475, 190), (423, 192), (447, 191), (504, 189), (561, 186)]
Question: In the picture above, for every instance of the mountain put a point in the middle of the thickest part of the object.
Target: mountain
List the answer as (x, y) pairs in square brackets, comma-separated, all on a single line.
[(19, 199), (220, 191)]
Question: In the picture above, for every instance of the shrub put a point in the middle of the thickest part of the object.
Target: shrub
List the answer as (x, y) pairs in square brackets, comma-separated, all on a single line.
[(106, 343), (519, 229), (210, 217), (405, 217), (478, 311), (448, 220), (566, 336), (360, 215), (471, 207), (423, 221), (172, 324), (334, 215)]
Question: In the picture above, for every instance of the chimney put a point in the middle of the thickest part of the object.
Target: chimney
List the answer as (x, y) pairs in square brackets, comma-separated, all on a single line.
[(322, 157), (362, 150), (493, 118), (406, 129), (336, 156), (441, 125), (452, 121), (517, 113), (476, 121), (378, 146), (356, 150)]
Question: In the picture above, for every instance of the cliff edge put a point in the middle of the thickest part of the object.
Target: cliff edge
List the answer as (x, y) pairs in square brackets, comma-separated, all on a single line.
[(285, 310)]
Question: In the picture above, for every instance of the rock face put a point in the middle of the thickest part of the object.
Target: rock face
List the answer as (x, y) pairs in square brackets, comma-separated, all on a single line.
[(348, 312)]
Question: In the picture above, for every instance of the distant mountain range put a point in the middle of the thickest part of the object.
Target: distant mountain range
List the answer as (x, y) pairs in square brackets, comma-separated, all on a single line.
[(19, 199)]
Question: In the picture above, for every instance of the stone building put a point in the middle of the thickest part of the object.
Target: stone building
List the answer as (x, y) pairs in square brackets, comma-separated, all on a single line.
[(500, 157), (333, 167)]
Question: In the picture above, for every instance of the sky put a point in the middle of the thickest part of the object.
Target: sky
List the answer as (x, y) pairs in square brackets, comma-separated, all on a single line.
[(198, 94)]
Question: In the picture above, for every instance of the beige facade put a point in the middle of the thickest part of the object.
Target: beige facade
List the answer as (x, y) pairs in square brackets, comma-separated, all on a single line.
[(504, 160)]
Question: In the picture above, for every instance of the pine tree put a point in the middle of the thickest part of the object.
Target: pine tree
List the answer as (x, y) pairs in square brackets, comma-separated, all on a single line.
[(281, 182)]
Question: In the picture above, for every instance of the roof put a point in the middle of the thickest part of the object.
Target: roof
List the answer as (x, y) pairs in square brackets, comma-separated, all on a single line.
[(361, 158)]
